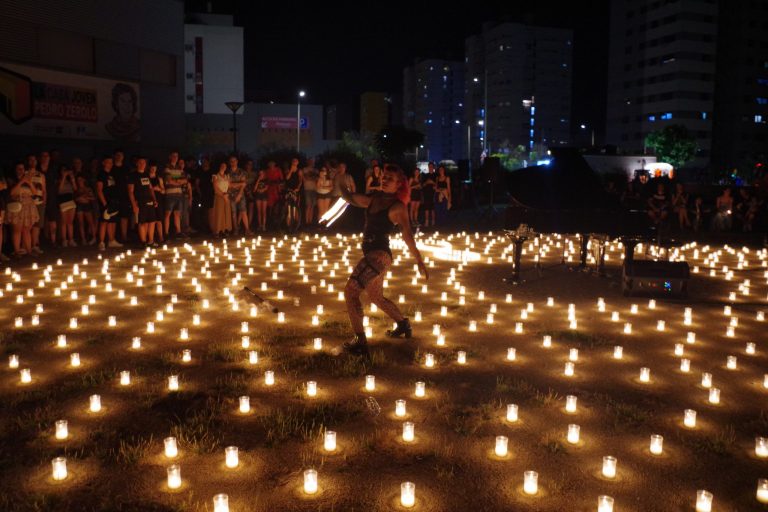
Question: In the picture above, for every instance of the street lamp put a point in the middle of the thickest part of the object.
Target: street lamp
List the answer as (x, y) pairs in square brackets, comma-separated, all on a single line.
[(592, 130), (234, 106), (298, 120)]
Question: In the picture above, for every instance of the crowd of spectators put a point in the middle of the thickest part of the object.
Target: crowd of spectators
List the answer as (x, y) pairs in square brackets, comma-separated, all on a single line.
[(48, 202)]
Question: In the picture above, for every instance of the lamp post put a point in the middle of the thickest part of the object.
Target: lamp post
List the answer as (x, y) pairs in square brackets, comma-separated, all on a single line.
[(592, 131), (298, 120), (234, 106)]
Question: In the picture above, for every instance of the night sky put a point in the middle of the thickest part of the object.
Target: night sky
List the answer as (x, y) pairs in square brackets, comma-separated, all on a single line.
[(337, 50)]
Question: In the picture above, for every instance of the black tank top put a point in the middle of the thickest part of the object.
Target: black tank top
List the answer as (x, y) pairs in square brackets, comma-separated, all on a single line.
[(377, 229)]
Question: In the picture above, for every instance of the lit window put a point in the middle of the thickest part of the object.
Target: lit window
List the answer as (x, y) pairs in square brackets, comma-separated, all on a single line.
[(703, 115), (531, 133), (652, 118), (762, 101), (666, 116), (531, 121), (533, 110), (758, 118), (501, 47)]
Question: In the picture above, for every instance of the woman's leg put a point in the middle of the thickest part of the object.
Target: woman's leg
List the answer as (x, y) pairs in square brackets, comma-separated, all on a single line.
[(26, 238), (368, 275), (81, 227), (16, 237)]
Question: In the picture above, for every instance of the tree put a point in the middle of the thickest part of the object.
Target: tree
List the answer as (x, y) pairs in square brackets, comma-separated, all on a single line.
[(363, 145), (513, 158), (673, 144), (396, 140)]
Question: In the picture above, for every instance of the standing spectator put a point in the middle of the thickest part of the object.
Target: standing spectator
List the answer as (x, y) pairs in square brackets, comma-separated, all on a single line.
[(324, 191), (84, 199), (205, 186), (38, 198), (746, 209), (292, 188), (174, 181), (109, 199), (237, 202), (442, 194), (51, 214), (343, 181), (680, 206), (309, 175), (222, 212), (143, 202), (67, 206), (414, 183), (120, 172), (159, 190), (658, 205), (428, 195), (186, 192), (373, 182), (260, 197), (723, 219), (3, 204), (274, 186), (250, 181), (22, 211)]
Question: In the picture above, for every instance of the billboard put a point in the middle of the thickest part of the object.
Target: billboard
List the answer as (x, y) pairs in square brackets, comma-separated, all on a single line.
[(46, 103), (282, 123)]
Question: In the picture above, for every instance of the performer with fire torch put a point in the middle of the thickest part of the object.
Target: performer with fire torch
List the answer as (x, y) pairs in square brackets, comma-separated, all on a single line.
[(383, 210)]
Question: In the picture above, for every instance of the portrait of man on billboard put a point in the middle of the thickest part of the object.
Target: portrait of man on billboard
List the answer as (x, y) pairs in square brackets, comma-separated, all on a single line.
[(125, 126)]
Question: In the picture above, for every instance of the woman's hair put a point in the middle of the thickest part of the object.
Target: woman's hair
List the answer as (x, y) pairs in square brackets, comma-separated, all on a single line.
[(403, 192)]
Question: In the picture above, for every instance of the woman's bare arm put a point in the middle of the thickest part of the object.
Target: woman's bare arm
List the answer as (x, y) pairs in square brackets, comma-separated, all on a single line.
[(359, 200)]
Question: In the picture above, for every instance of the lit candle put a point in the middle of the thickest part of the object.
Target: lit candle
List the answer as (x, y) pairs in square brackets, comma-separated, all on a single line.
[(685, 365), (417, 316), (512, 413), (136, 343), (74, 359), (59, 468), (311, 388), (400, 408), (530, 482), (706, 380), (269, 378), (472, 326), (420, 390), (501, 446), (660, 325), (546, 341), (186, 356), (171, 449), (95, 403), (679, 349), (281, 317), (609, 466), (689, 420), (441, 340), (652, 304), (615, 316), (73, 323), (762, 490), (691, 338), (150, 327), (461, 357), (62, 431), (573, 354), (570, 403), (704, 501), (714, 396), (125, 378), (310, 481), (407, 494), (112, 322), (221, 503), (173, 383), (370, 383), (174, 476), (657, 444), (329, 442), (26, 376), (645, 374), (245, 404), (627, 328), (253, 357), (245, 341), (618, 352), (573, 433), (511, 354), (633, 309), (731, 362), (13, 361), (569, 367), (408, 431), (231, 459), (429, 360), (750, 348), (761, 447), (604, 504), (184, 333)]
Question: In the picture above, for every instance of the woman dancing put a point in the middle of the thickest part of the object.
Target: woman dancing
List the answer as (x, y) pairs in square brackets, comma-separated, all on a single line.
[(383, 210)]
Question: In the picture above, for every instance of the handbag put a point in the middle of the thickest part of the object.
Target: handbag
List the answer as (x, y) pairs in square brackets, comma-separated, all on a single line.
[(67, 205), (13, 207)]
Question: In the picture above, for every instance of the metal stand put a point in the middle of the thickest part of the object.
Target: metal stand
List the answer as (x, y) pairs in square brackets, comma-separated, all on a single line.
[(518, 237)]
